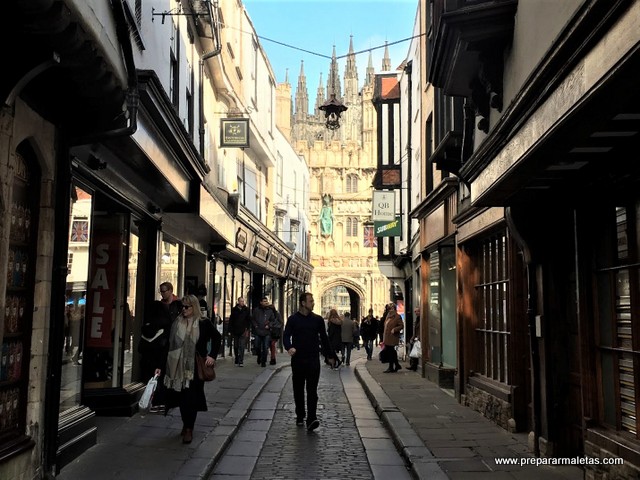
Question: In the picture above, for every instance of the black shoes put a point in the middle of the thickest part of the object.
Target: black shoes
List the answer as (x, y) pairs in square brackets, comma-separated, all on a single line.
[(263, 364), (299, 421), (272, 362), (389, 370), (313, 425)]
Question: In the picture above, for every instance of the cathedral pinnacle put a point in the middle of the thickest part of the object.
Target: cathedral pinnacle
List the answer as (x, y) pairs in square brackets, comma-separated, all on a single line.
[(386, 61)]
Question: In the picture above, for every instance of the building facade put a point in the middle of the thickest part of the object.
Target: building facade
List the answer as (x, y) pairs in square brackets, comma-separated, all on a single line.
[(342, 165), (118, 175), (534, 110)]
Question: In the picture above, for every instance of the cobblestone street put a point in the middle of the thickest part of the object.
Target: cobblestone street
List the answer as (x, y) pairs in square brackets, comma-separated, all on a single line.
[(350, 439)]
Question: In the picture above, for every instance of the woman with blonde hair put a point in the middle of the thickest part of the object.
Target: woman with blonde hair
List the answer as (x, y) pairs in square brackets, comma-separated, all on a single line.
[(189, 337), (334, 332)]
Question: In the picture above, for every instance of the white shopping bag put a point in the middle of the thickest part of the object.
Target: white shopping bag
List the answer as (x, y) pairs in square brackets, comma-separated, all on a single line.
[(145, 400), (416, 351)]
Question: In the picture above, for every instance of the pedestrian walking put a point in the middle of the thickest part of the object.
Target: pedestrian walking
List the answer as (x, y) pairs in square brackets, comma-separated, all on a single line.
[(356, 333), (334, 332), (303, 337), (275, 332), (393, 326), (160, 319), (263, 316), (190, 336), (239, 326), (414, 361), (347, 331), (369, 332), (153, 347), (381, 323)]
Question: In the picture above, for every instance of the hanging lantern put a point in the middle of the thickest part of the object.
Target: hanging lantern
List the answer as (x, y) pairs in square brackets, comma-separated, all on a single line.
[(332, 109)]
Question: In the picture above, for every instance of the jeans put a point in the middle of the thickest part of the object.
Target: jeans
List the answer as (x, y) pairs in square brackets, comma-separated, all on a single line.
[(346, 348), (368, 346), (239, 342), (263, 344), (305, 371)]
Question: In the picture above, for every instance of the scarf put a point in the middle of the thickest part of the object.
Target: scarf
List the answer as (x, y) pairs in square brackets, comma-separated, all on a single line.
[(182, 353)]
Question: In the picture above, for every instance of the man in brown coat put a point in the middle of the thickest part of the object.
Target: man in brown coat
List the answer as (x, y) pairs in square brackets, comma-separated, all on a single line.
[(393, 326)]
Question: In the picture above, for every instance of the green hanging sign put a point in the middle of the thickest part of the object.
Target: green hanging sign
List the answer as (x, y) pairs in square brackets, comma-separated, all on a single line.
[(388, 229)]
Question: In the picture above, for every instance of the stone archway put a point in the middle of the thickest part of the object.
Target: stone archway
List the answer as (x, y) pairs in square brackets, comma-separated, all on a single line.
[(356, 293)]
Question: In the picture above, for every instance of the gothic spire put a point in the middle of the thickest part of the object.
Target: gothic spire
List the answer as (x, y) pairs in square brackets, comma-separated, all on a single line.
[(302, 96), (351, 76), (319, 96), (350, 70), (333, 82), (386, 61), (370, 71)]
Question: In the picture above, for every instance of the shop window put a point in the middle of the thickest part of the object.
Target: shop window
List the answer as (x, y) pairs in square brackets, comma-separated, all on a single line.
[(618, 297), (16, 334), (492, 297)]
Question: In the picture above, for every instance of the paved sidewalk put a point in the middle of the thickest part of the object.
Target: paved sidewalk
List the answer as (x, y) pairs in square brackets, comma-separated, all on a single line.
[(150, 446), (438, 437), (460, 443)]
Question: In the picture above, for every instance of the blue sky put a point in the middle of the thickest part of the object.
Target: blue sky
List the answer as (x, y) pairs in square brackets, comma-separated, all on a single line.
[(316, 26)]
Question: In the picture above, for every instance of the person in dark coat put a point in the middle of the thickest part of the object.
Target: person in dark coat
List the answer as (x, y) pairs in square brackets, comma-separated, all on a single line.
[(190, 336), (393, 326), (275, 333), (154, 345), (304, 338), (239, 326), (334, 332), (261, 320), (369, 332)]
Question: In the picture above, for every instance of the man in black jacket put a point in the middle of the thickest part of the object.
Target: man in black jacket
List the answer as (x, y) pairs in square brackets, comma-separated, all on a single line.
[(239, 326), (302, 337), (261, 321), (369, 332)]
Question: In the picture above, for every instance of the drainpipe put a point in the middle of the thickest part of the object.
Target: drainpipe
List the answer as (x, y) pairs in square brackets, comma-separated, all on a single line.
[(204, 58), (532, 301), (408, 70)]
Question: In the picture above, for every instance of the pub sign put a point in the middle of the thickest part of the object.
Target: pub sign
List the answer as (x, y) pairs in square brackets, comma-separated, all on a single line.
[(234, 132)]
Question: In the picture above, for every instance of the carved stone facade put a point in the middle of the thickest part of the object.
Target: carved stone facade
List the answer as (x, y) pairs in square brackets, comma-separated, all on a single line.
[(342, 164)]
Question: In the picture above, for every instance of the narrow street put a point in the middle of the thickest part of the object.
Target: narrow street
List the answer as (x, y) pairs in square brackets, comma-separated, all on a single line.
[(351, 437)]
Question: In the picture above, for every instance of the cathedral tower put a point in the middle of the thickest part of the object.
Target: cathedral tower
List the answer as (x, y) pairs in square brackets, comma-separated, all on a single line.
[(342, 164)]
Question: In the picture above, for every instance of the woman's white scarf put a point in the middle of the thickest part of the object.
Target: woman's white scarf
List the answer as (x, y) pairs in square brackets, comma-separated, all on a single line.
[(182, 353)]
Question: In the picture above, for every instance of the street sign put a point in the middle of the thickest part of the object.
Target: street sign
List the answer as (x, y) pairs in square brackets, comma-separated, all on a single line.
[(234, 132), (384, 206), (388, 229)]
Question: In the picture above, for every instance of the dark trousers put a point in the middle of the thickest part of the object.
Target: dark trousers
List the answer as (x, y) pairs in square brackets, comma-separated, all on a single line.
[(368, 346), (393, 358), (346, 352), (263, 344), (188, 407), (305, 371), (239, 342)]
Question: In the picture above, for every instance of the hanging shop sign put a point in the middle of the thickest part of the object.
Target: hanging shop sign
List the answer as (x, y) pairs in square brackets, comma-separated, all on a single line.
[(388, 229), (261, 251), (384, 206), (234, 132)]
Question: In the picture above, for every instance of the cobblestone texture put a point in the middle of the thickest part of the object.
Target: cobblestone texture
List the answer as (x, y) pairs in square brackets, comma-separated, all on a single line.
[(334, 451)]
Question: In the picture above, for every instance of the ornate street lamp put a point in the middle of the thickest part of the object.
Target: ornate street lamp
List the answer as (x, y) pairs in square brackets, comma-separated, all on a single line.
[(333, 108)]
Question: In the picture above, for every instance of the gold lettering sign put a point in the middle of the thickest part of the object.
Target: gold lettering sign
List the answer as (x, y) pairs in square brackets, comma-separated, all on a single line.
[(234, 132), (261, 251), (241, 239)]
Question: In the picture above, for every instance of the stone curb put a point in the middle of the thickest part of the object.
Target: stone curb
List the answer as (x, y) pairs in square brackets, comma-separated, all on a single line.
[(422, 462), (210, 450)]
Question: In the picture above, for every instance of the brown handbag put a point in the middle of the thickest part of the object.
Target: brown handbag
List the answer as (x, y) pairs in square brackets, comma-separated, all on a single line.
[(205, 373)]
